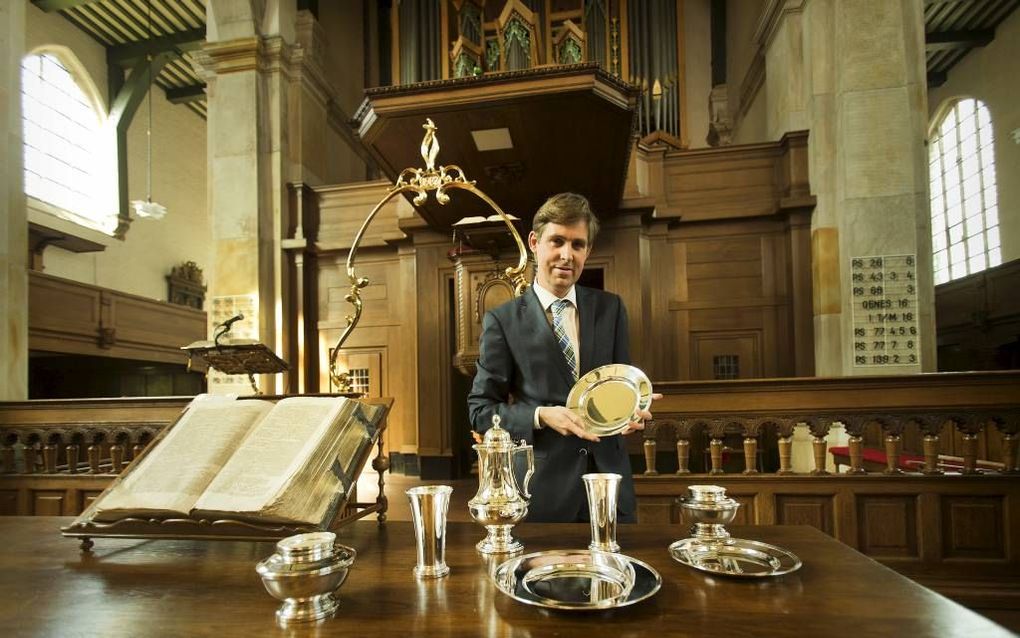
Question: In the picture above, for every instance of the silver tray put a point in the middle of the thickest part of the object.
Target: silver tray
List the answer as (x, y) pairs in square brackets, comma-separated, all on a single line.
[(576, 580), (608, 397), (735, 557)]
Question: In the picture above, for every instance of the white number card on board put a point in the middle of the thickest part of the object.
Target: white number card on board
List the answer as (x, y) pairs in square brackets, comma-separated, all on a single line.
[(884, 292)]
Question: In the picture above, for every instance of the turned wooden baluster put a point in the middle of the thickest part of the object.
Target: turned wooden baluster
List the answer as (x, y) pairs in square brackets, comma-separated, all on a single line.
[(136, 450), (931, 428), (715, 446), (1009, 430), (892, 433), (819, 430), (650, 447), (855, 443), (31, 452), (93, 454), (381, 463), (7, 454), (116, 458), (751, 433), (683, 456), (683, 447), (970, 430), (785, 443), (71, 454), (50, 455)]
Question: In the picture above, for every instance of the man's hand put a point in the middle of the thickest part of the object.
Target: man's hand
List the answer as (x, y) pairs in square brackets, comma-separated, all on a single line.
[(643, 415), (565, 422)]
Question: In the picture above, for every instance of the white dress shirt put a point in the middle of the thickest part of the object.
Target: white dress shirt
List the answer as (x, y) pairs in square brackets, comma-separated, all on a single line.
[(570, 322)]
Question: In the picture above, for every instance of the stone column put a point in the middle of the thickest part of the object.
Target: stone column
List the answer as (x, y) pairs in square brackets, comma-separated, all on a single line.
[(246, 63), (13, 220), (864, 64)]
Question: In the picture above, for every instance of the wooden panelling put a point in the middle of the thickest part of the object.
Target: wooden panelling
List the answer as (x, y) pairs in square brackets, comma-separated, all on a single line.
[(725, 270), (718, 288), (951, 533), (734, 181), (796, 509), (887, 525), (8, 502), (85, 498), (811, 395), (75, 318), (747, 514), (49, 503), (746, 346), (978, 318), (724, 249), (735, 277), (972, 527)]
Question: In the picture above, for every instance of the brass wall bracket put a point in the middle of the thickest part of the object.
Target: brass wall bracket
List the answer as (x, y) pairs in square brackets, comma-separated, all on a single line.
[(421, 181)]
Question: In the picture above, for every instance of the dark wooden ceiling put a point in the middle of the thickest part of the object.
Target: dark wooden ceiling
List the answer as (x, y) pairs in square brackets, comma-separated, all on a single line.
[(571, 129), (954, 27), (122, 26)]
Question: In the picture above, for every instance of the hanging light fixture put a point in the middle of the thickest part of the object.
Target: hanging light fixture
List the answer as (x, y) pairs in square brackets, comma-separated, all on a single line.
[(146, 208)]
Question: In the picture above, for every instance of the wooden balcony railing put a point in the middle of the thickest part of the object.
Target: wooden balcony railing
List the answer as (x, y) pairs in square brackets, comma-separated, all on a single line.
[(941, 416)]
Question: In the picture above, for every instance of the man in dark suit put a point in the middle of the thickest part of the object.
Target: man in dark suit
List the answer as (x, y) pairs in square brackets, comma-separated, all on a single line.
[(532, 351)]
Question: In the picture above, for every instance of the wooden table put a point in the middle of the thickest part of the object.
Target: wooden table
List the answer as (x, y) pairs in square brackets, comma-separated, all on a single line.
[(188, 588)]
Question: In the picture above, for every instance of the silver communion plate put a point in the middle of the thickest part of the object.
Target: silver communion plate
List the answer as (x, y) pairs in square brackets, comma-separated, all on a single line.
[(608, 397), (577, 580), (735, 557)]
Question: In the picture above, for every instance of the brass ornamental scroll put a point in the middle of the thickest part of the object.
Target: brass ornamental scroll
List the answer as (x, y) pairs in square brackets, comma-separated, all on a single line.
[(420, 181)]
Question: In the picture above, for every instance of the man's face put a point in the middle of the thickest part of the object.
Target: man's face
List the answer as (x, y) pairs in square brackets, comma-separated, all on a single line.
[(559, 255)]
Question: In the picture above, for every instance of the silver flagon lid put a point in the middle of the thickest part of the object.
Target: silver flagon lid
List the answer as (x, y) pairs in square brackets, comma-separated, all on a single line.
[(496, 438)]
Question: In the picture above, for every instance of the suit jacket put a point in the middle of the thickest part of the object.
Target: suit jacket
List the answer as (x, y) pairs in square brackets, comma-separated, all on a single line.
[(521, 367)]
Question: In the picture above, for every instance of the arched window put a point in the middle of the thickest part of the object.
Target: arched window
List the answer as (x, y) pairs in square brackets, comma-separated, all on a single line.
[(63, 142), (964, 201)]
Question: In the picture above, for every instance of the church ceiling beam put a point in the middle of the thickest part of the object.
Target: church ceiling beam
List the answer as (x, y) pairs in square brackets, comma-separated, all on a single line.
[(946, 40), (122, 110), (59, 5), (179, 42), (185, 94), (936, 79)]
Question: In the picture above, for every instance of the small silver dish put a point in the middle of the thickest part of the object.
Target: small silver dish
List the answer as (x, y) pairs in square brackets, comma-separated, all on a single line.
[(608, 398), (576, 580), (735, 557), (304, 574)]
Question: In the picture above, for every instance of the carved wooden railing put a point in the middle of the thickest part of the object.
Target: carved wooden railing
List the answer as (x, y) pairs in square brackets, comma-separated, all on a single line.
[(57, 456), (948, 529), (45, 437), (983, 408)]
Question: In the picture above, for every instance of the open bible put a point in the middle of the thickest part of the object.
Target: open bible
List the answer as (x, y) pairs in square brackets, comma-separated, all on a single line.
[(294, 462)]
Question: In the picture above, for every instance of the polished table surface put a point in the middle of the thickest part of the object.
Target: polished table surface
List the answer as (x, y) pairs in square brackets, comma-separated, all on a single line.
[(191, 588)]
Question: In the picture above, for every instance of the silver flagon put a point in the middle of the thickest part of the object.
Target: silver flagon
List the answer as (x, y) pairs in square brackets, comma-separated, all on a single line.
[(499, 503)]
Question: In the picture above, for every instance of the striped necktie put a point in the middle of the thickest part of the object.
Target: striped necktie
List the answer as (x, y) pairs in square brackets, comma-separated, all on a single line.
[(560, 330)]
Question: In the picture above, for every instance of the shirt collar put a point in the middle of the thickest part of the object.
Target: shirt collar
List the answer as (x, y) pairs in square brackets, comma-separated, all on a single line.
[(547, 298)]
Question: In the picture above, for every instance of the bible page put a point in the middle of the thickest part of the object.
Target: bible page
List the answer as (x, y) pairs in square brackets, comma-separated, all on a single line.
[(172, 475)]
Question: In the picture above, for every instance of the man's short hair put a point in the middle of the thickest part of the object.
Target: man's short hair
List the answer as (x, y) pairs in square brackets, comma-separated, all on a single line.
[(566, 209)]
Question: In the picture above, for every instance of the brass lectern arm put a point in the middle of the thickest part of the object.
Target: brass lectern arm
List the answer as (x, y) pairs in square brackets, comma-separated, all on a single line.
[(421, 181)]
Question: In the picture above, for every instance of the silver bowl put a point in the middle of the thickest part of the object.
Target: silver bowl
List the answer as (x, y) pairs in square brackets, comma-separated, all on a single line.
[(710, 510), (304, 574)]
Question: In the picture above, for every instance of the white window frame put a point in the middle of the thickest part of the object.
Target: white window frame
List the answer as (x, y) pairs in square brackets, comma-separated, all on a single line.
[(95, 202), (963, 191)]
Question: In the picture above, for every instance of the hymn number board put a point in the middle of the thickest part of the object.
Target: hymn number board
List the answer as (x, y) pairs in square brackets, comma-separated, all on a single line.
[(885, 317)]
